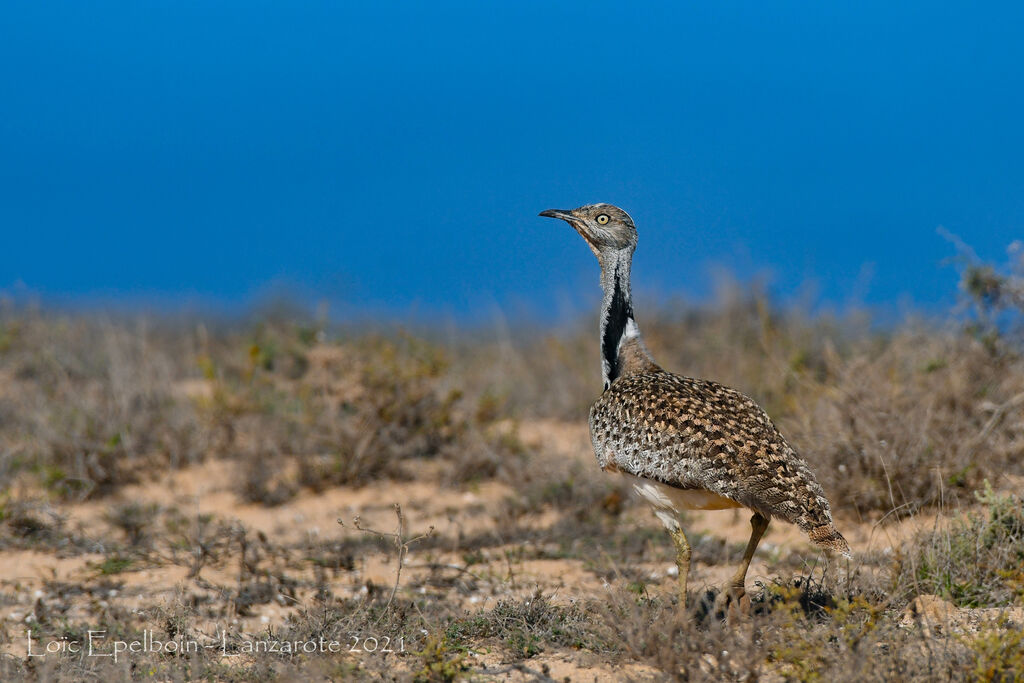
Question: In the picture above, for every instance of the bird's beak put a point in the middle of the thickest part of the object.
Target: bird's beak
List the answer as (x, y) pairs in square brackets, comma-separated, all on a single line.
[(557, 213), (577, 224)]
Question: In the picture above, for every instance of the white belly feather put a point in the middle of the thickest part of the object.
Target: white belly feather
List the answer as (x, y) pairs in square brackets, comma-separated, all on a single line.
[(669, 501)]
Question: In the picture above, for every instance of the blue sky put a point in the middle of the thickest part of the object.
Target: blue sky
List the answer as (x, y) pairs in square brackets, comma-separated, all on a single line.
[(392, 157)]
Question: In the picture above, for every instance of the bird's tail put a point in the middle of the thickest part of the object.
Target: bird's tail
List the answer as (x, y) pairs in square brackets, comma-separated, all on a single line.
[(828, 537)]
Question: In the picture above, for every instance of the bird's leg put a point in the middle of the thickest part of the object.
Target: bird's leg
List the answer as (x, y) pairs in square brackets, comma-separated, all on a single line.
[(737, 587), (683, 552)]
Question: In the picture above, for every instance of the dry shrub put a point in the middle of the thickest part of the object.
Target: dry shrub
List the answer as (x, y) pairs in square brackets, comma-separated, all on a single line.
[(91, 404), (529, 626), (135, 519), (852, 641), (977, 562), (904, 420), (355, 412), (88, 405), (580, 492), (32, 520)]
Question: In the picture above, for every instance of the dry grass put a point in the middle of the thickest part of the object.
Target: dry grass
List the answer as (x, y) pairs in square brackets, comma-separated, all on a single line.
[(890, 419), (978, 562), (899, 423), (89, 406), (841, 625)]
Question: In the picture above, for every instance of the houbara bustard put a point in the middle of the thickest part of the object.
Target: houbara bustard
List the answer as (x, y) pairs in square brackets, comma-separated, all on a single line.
[(686, 444)]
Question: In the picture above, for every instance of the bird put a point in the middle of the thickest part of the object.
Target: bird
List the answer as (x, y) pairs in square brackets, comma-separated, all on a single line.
[(686, 443)]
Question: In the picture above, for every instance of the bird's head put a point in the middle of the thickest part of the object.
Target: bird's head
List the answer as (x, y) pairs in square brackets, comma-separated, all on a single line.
[(606, 228)]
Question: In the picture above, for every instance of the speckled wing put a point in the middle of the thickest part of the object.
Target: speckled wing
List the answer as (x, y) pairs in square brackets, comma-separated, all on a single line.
[(696, 434)]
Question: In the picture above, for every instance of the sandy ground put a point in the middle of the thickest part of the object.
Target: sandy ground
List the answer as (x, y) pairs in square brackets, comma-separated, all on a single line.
[(29, 577)]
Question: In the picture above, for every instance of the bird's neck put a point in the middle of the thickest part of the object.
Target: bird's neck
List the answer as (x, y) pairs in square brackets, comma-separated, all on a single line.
[(622, 348)]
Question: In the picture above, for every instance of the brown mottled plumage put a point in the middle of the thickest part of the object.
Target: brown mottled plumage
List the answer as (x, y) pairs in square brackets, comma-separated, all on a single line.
[(695, 434), (686, 443)]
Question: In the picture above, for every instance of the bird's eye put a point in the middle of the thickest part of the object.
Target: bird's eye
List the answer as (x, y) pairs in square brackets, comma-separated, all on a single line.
[(602, 219)]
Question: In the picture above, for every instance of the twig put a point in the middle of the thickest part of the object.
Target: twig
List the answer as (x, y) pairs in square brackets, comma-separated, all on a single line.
[(433, 566), (401, 544)]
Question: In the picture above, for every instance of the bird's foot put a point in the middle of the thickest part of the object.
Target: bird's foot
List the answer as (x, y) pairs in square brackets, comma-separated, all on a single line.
[(734, 601)]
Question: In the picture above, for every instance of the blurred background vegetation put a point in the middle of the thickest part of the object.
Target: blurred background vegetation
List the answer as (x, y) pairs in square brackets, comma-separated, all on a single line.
[(892, 416)]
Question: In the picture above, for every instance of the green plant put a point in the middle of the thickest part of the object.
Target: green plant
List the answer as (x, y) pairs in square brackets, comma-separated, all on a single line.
[(997, 652), (439, 662), (114, 564)]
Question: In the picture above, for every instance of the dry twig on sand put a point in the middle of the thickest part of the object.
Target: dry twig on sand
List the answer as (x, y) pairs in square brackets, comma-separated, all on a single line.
[(401, 544)]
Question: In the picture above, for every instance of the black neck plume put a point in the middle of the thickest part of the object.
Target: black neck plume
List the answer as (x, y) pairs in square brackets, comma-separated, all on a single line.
[(617, 312)]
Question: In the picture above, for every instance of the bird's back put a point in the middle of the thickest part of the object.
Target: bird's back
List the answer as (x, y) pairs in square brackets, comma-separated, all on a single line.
[(696, 434)]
